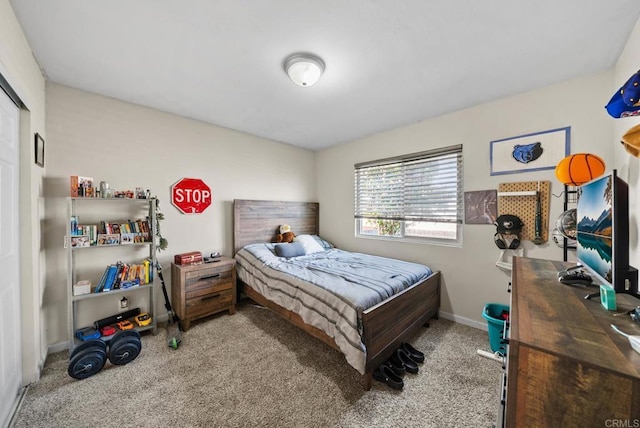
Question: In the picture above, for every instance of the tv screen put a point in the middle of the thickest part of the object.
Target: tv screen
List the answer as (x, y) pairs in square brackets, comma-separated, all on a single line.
[(603, 230)]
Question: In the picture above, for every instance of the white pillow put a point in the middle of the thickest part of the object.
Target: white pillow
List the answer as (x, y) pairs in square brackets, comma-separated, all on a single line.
[(309, 243)]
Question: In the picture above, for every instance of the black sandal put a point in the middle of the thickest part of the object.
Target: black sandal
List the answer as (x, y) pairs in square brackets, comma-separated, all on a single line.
[(385, 374), (413, 352)]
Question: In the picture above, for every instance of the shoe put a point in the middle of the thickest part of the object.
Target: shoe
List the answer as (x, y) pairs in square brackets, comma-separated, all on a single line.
[(396, 364), (409, 364), (385, 374), (416, 355)]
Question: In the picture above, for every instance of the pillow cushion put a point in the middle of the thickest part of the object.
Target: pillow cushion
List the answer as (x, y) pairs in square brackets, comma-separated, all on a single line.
[(324, 243), (309, 243), (293, 249)]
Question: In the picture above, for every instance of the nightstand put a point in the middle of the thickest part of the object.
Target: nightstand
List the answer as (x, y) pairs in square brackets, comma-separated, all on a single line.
[(200, 290)]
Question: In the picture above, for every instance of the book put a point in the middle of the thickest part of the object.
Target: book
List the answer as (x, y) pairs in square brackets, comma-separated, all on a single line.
[(111, 277), (102, 281), (80, 186)]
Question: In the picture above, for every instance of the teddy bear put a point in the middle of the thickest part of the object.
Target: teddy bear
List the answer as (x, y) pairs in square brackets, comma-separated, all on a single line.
[(285, 235)]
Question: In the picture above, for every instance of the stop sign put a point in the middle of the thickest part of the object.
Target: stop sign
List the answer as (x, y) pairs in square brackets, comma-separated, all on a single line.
[(191, 195)]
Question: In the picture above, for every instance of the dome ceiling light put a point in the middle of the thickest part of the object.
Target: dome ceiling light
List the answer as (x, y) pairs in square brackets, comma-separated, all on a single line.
[(304, 69)]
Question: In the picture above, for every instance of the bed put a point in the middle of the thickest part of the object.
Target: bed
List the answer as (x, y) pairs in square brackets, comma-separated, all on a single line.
[(367, 332)]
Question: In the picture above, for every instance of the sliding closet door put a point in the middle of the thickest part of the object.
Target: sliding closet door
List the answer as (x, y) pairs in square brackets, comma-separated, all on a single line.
[(10, 355)]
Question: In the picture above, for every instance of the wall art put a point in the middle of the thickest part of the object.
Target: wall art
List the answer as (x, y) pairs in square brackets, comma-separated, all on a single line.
[(529, 152)]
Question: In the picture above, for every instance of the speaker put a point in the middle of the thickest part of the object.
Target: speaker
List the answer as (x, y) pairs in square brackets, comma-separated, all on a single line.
[(115, 318)]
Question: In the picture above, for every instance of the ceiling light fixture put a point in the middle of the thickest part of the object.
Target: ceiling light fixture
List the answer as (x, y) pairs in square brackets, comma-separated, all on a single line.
[(304, 69)]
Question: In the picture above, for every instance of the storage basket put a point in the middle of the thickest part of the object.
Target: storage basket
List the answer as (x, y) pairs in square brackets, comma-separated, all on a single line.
[(493, 314)]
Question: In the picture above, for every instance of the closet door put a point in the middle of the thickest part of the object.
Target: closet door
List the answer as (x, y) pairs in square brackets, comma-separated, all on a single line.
[(10, 346)]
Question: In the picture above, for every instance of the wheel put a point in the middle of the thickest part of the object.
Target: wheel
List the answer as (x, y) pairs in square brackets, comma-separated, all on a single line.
[(88, 344), (87, 362), (124, 350)]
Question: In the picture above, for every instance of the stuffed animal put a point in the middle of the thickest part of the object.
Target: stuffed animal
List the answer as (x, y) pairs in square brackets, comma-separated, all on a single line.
[(285, 235)]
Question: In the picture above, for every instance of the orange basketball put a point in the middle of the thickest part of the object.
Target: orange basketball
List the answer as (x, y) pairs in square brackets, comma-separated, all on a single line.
[(575, 170)]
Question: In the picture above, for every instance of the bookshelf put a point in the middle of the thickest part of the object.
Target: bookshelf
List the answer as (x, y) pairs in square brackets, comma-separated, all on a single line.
[(102, 232)]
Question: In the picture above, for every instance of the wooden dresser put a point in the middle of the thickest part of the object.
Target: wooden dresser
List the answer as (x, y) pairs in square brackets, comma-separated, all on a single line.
[(566, 367), (204, 289)]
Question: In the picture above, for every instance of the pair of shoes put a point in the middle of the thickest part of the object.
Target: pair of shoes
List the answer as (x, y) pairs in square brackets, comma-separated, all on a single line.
[(409, 363), (385, 374), (396, 364), (415, 355)]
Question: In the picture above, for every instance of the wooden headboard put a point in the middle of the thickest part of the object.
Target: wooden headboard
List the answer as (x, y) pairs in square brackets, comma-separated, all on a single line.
[(259, 221)]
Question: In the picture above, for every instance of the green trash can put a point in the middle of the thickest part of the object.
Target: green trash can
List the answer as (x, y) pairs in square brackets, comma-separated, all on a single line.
[(495, 314)]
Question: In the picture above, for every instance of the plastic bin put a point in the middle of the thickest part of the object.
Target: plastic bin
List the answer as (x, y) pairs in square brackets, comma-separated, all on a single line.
[(493, 314)]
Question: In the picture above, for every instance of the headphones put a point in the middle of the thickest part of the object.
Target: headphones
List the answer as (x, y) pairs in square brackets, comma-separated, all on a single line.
[(509, 225), (501, 242)]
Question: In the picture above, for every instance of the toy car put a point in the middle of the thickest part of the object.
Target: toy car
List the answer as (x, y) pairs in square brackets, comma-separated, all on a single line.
[(108, 330), (125, 325), (87, 333), (143, 319)]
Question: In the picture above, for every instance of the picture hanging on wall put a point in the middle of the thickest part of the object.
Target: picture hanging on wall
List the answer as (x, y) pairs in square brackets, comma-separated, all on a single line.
[(529, 152), (480, 207)]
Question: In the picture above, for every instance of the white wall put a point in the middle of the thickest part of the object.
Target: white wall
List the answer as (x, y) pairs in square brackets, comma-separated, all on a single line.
[(627, 165), (470, 277), (20, 69), (129, 146)]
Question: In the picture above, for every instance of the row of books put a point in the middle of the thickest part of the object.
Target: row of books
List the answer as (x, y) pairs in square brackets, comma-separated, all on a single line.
[(122, 233), (137, 226), (125, 275)]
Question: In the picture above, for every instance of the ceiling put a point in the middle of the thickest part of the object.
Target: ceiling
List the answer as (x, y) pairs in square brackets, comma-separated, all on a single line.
[(388, 63)]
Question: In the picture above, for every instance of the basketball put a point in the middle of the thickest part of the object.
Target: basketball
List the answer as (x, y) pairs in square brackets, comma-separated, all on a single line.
[(577, 169)]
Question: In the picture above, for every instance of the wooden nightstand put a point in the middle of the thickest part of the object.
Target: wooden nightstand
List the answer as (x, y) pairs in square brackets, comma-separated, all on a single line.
[(201, 290)]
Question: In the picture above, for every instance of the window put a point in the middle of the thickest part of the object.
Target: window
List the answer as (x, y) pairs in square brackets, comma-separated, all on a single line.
[(416, 197)]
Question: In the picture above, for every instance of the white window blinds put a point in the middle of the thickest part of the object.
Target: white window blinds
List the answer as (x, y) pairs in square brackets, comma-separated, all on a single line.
[(425, 186)]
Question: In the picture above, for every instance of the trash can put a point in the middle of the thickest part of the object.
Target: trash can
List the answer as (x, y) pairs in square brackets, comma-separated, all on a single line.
[(496, 315)]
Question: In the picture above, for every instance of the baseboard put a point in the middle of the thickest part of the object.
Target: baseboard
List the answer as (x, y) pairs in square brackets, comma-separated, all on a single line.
[(57, 347), (466, 321)]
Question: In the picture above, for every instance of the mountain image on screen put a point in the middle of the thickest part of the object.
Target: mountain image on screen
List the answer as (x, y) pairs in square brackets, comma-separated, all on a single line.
[(600, 226)]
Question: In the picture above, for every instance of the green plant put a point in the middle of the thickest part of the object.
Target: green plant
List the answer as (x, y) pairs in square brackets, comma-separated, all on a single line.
[(388, 227), (162, 242)]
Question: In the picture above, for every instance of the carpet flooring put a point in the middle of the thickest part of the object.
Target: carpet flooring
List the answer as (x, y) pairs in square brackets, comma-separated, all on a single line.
[(254, 369)]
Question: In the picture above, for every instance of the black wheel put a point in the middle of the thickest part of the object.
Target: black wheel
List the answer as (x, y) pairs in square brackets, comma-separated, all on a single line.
[(97, 343), (87, 362), (124, 350), (122, 334)]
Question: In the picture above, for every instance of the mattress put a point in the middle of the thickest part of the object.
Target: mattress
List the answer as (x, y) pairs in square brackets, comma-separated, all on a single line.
[(328, 289)]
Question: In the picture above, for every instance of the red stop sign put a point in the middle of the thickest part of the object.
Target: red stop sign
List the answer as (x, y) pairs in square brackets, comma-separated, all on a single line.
[(191, 195)]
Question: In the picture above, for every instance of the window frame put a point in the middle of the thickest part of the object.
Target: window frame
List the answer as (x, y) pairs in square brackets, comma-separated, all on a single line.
[(431, 161)]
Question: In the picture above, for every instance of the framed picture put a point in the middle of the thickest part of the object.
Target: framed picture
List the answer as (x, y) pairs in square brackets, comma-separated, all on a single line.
[(480, 207), (39, 147), (529, 152)]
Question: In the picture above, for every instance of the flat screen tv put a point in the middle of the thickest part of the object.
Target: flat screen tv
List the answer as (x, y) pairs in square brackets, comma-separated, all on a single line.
[(603, 232)]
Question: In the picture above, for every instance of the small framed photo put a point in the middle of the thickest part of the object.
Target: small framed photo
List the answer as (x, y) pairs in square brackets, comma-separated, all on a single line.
[(108, 239), (80, 241), (39, 148)]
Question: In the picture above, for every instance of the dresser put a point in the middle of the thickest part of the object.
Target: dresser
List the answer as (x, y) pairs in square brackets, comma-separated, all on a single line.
[(200, 290), (565, 365)]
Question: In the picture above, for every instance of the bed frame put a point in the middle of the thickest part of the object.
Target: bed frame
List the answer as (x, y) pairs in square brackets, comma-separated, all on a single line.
[(385, 325)]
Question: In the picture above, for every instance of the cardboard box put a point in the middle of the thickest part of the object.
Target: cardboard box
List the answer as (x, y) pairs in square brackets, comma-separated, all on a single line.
[(188, 258)]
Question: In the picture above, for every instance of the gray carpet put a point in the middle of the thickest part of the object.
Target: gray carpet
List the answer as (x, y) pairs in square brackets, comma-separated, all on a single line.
[(254, 369)]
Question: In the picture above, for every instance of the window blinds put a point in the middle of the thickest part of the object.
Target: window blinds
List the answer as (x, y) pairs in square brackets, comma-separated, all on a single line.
[(425, 186)]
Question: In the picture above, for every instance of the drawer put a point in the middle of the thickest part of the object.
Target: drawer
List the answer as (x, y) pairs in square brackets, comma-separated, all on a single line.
[(210, 289), (207, 278), (209, 303)]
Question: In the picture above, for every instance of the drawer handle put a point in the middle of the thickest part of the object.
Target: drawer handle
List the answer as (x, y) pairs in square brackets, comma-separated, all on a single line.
[(204, 278), (212, 296)]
